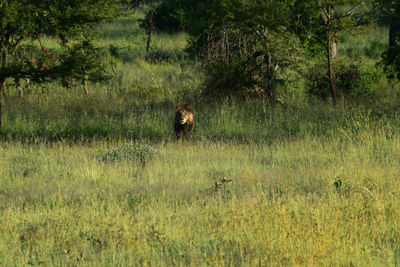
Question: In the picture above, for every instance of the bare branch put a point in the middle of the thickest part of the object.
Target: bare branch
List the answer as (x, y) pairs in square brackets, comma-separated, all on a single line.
[(348, 13)]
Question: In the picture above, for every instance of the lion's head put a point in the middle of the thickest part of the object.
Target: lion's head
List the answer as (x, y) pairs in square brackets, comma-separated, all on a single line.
[(184, 114)]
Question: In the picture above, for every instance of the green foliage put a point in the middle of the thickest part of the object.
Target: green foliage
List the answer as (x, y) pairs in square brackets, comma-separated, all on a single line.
[(228, 80), (391, 59), (69, 19), (170, 15), (82, 61), (320, 25), (24, 21), (384, 5), (317, 81), (357, 83), (375, 49), (348, 17), (353, 80), (246, 45)]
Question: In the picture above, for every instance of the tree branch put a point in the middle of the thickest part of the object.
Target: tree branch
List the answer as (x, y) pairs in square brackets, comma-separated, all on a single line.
[(351, 10), (321, 41), (17, 43)]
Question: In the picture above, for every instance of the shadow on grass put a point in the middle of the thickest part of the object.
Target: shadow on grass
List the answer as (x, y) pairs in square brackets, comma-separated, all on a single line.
[(244, 122)]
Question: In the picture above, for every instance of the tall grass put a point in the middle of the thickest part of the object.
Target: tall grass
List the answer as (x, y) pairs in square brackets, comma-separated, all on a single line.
[(74, 117), (304, 202)]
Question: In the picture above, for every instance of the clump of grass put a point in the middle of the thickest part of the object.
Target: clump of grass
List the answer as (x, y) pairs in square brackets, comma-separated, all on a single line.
[(136, 152), (221, 184)]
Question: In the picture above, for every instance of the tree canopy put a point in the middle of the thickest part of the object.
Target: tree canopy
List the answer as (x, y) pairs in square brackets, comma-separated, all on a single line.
[(23, 22)]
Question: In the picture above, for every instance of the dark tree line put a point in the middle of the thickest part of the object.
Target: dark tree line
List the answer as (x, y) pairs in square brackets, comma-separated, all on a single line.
[(245, 44)]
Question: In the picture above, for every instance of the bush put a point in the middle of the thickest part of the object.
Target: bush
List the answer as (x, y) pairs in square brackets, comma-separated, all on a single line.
[(317, 81), (356, 83), (353, 81), (137, 152), (227, 80), (391, 60), (169, 15)]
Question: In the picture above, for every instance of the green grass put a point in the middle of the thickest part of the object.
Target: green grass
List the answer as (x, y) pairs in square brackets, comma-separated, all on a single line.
[(83, 118), (100, 180), (305, 202)]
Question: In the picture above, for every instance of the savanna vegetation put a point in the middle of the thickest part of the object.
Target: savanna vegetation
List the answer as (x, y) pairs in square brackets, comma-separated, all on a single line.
[(294, 158)]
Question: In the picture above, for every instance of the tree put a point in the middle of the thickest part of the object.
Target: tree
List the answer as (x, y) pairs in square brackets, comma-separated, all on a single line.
[(245, 45), (170, 15), (80, 61), (321, 23), (71, 21), (392, 56)]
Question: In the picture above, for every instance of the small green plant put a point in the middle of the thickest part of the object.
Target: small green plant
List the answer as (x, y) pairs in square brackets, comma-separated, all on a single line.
[(137, 152), (338, 184), (155, 236), (221, 183), (114, 51)]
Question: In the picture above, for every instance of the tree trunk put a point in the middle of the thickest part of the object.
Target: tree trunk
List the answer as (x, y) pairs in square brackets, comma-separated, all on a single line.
[(269, 79), (4, 89), (4, 62), (334, 48), (150, 25), (85, 84), (148, 41), (2, 83), (21, 91), (394, 36), (20, 88), (394, 31), (331, 49), (331, 71)]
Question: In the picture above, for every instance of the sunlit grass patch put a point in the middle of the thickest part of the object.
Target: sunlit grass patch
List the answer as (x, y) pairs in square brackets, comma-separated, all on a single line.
[(281, 203)]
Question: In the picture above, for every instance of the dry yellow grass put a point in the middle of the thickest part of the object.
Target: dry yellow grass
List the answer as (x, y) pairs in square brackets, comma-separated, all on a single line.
[(306, 202)]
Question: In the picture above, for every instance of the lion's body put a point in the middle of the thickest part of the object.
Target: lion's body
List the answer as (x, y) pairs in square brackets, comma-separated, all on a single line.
[(184, 123)]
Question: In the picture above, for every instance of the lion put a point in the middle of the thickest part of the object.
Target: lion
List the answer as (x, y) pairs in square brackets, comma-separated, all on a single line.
[(184, 123)]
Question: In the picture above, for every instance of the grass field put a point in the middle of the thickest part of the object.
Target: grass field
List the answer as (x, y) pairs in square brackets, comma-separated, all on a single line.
[(304, 202), (99, 180)]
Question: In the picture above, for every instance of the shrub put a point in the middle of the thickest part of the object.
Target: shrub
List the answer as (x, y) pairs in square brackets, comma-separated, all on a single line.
[(353, 81), (356, 83), (391, 60), (137, 152), (317, 81), (169, 15), (227, 80)]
